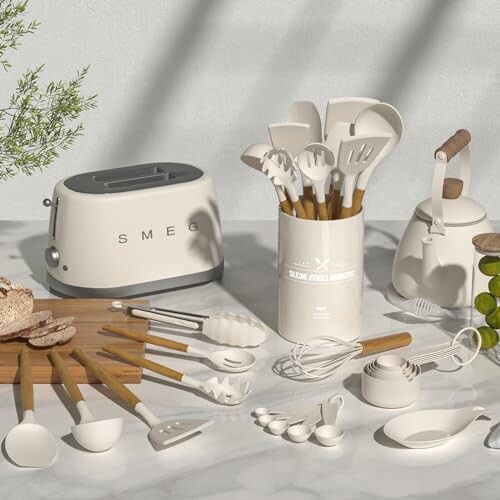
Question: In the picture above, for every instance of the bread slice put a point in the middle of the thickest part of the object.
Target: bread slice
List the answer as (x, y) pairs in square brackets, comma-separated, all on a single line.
[(54, 326), (16, 302), (54, 338), (25, 325)]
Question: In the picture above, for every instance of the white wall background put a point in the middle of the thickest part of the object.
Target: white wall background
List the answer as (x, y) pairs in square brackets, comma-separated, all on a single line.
[(199, 80)]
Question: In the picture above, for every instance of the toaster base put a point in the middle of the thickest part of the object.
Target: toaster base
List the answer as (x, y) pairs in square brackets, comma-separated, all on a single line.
[(137, 289)]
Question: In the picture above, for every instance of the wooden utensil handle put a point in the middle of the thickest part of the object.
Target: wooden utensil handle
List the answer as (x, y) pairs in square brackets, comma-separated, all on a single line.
[(454, 144), (66, 378), (286, 206), (145, 363), (345, 212), (27, 400), (386, 343), (335, 203), (144, 337), (309, 202), (357, 201), (299, 210), (322, 211), (106, 378)]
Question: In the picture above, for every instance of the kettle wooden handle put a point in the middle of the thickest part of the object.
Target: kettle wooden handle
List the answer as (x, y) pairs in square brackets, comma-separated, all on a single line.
[(386, 343), (454, 144)]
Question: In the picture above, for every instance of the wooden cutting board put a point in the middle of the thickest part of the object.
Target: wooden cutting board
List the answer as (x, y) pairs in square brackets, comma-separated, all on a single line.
[(90, 315)]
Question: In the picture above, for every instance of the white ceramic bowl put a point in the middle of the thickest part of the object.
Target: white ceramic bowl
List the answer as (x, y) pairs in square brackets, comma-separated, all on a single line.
[(409, 372), (387, 393)]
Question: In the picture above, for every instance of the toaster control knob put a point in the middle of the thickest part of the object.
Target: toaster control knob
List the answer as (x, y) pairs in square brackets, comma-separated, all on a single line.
[(52, 256)]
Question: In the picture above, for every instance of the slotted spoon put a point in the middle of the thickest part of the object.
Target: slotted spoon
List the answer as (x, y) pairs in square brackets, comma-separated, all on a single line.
[(316, 162), (228, 360), (227, 392)]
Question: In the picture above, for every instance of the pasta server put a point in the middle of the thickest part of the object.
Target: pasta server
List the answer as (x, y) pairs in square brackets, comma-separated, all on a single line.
[(229, 391), (162, 433), (221, 327)]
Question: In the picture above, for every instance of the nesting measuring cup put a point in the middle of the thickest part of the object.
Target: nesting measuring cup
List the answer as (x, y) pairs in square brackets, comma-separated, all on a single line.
[(320, 269)]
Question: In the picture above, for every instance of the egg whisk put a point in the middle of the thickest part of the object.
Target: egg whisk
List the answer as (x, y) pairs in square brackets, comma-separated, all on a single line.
[(221, 327), (324, 356)]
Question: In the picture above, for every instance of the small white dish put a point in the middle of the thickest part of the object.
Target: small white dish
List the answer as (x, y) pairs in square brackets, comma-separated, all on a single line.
[(430, 428)]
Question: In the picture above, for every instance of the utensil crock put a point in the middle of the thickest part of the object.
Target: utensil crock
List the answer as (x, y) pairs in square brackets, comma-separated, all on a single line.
[(320, 277)]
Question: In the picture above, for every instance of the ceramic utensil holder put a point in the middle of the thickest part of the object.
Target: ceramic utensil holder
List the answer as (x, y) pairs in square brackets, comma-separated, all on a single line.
[(320, 277)]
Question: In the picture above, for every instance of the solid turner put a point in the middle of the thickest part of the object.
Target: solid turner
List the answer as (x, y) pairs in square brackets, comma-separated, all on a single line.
[(222, 327), (162, 433), (229, 391)]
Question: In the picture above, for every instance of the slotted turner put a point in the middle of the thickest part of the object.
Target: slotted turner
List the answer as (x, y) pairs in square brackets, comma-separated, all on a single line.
[(355, 155)]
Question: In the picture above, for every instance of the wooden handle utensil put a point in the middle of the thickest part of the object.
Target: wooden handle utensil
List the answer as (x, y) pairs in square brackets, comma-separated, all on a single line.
[(105, 377), (145, 363), (27, 399), (386, 343), (66, 377), (146, 338)]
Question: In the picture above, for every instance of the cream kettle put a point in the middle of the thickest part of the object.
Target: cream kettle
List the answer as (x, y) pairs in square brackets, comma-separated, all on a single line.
[(435, 256)]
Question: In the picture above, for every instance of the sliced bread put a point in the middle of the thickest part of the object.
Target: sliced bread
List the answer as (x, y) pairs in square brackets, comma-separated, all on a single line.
[(54, 338), (25, 325), (16, 302), (54, 326)]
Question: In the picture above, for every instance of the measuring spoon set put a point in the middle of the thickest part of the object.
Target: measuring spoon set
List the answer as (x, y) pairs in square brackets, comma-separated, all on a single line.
[(300, 423), (340, 158)]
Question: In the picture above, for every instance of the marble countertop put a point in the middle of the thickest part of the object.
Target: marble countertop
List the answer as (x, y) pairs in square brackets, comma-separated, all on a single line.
[(235, 459)]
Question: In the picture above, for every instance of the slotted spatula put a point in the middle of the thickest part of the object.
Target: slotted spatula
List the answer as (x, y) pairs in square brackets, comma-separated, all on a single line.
[(355, 155)]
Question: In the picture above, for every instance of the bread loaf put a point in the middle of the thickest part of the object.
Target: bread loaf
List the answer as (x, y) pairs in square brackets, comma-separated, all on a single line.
[(25, 325), (16, 302)]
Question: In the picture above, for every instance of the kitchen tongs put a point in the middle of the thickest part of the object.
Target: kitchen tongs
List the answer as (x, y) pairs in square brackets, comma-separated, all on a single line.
[(221, 327)]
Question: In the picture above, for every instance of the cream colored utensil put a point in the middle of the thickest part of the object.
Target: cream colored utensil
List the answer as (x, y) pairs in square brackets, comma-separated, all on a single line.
[(356, 154), (299, 433), (283, 174), (379, 119), (325, 356), (162, 433), (221, 327), (339, 132), (29, 444), (254, 157), (430, 428), (316, 162), (229, 360), (226, 392), (294, 137), (344, 109), (90, 433), (306, 112)]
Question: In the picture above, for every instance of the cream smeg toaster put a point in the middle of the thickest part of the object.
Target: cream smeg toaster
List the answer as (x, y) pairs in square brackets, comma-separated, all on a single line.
[(133, 230)]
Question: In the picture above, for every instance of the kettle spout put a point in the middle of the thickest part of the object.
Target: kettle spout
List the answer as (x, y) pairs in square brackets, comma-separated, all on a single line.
[(430, 261)]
